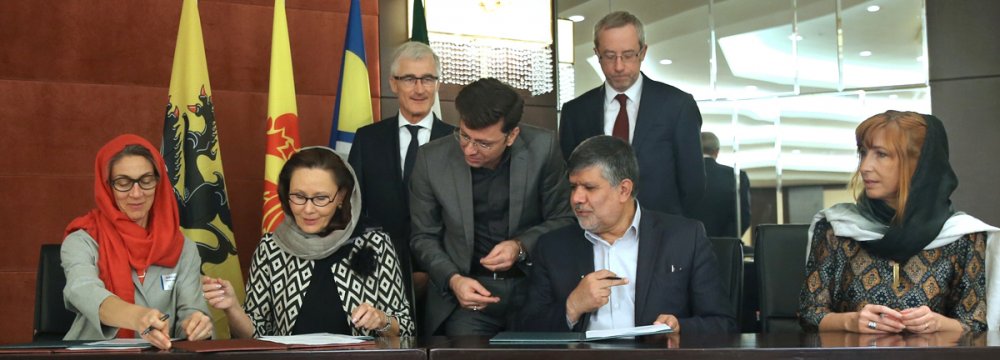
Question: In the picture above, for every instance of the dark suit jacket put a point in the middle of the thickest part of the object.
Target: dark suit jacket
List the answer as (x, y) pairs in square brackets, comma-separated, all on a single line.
[(692, 292), (441, 208), (717, 209), (667, 142), (384, 198)]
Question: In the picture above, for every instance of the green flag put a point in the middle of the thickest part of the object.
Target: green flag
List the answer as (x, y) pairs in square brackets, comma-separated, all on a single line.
[(419, 30)]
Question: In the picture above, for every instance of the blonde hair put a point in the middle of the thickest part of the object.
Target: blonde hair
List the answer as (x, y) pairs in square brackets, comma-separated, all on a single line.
[(903, 134)]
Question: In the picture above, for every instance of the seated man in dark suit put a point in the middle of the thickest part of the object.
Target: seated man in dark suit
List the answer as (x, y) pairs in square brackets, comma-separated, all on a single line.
[(622, 265)]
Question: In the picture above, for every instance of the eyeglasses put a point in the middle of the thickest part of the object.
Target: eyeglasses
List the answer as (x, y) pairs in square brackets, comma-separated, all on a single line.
[(628, 56), (300, 199), (410, 80), (464, 140), (125, 184)]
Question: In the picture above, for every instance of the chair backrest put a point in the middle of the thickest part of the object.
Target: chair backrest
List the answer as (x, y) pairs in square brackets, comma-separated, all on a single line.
[(729, 253), (780, 257), (52, 320)]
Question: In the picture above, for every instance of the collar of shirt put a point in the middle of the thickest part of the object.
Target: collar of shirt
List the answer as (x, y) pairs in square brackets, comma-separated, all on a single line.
[(631, 233), (425, 123), (634, 92)]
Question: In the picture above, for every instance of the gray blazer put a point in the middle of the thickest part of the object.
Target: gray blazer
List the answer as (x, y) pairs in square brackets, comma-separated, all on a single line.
[(442, 232), (84, 291)]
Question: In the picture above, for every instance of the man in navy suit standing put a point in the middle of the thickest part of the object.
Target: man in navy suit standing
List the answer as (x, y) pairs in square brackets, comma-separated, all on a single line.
[(622, 265), (383, 153), (661, 122)]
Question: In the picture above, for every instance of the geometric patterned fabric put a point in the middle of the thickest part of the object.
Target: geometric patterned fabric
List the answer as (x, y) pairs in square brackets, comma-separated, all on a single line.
[(841, 276), (278, 284)]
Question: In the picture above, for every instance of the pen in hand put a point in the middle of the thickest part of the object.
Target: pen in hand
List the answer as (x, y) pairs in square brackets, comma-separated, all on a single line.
[(150, 328)]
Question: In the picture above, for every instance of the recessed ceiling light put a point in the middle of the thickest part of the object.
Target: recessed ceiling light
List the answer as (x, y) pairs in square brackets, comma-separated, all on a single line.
[(750, 88), (865, 53), (576, 18), (874, 8), (893, 96), (666, 62)]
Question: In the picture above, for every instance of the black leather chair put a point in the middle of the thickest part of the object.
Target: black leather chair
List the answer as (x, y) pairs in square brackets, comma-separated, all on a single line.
[(780, 257), (729, 253), (52, 320)]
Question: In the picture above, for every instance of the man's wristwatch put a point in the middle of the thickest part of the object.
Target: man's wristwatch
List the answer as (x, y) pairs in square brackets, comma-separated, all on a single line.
[(521, 255)]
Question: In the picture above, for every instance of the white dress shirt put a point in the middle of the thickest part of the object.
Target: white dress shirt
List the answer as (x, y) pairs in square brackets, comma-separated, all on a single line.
[(611, 107), (622, 258), (423, 135)]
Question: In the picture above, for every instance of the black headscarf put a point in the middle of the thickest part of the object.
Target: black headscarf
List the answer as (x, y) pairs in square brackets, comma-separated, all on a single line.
[(928, 205)]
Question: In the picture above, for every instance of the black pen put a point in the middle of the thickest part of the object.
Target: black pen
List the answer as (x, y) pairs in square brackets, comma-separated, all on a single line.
[(150, 328), (612, 278)]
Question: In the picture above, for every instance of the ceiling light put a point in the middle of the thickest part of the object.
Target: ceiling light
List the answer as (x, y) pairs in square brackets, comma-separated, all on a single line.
[(666, 62), (893, 97), (576, 18), (865, 53), (874, 8), (750, 88)]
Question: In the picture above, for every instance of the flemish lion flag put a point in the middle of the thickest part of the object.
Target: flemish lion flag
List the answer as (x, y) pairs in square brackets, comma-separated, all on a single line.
[(194, 161), (282, 118), (354, 98)]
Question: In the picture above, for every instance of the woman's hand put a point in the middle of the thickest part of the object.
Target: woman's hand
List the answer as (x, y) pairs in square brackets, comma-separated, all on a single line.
[(367, 317), (877, 319), (198, 326), (218, 292), (159, 330), (923, 320)]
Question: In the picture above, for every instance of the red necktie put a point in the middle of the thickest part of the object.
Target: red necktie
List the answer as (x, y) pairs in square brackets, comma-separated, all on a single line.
[(621, 122)]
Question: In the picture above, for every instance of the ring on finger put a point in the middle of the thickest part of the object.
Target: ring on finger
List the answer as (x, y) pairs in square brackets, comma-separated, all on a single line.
[(872, 325)]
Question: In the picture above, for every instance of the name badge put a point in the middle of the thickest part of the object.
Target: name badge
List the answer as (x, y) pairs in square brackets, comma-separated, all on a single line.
[(167, 281)]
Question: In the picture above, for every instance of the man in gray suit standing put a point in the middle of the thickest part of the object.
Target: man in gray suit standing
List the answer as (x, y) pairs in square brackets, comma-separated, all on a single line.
[(478, 203)]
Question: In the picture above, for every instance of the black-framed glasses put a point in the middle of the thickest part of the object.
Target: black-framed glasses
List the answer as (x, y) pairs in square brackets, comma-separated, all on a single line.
[(125, 184), (410, 80), (628, 56), (301, 199), (464, 140)]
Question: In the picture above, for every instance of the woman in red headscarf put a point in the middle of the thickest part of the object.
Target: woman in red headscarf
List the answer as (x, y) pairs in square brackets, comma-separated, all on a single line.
[(129, 270)]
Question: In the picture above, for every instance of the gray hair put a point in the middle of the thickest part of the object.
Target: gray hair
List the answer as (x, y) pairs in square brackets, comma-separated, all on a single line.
[(618, 19), (709, 143), (614, 156), (414, 50)]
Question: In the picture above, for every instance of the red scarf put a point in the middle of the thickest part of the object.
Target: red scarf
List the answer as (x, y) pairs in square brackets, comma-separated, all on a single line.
[(123, 245)]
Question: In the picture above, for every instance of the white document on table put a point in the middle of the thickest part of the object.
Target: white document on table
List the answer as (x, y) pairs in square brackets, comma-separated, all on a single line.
[(317, 339)]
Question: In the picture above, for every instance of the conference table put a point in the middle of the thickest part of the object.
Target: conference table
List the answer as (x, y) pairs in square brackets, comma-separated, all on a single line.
[(834, 345)]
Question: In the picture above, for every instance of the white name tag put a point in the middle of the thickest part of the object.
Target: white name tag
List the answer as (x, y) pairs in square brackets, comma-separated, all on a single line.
[(167, 281)]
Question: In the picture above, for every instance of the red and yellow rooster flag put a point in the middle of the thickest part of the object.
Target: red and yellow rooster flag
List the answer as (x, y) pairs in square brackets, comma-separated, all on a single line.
[(282, 118), (194, 161)]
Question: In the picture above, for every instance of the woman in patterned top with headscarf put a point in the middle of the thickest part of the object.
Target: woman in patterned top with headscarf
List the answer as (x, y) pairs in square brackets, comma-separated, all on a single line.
[(900, 258), (315, 273)]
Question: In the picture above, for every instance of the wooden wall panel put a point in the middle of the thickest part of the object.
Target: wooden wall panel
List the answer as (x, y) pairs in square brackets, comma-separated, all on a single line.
[(75, 73)]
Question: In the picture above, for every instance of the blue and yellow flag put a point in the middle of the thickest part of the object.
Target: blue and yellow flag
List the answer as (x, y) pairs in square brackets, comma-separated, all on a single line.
[(354, 98), (194, 161), (282, 118)]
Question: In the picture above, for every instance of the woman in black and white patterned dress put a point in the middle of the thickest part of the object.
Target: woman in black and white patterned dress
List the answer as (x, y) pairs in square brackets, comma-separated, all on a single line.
[(315, 273)]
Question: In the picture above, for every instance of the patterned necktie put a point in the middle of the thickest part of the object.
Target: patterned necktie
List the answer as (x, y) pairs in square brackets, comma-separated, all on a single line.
[(621, 122), (411, 153)]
